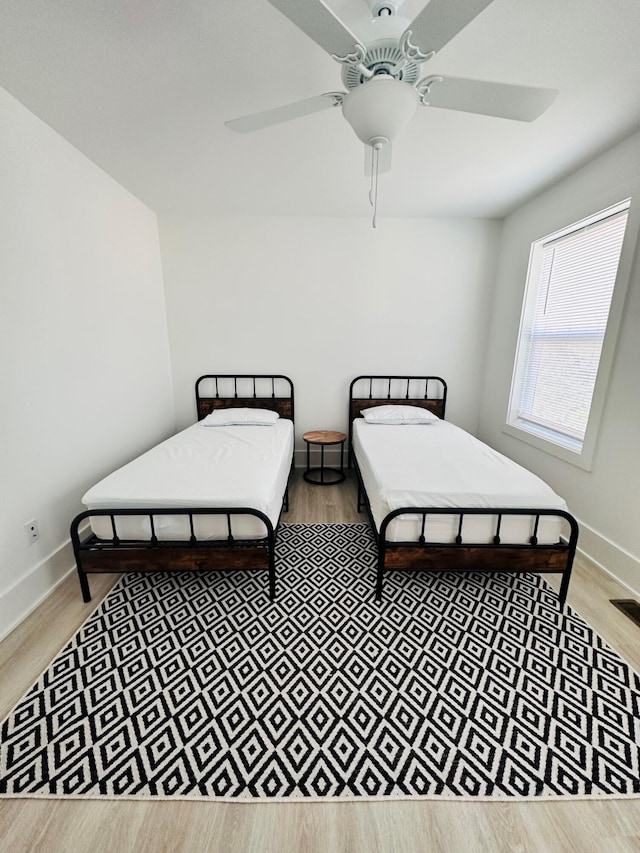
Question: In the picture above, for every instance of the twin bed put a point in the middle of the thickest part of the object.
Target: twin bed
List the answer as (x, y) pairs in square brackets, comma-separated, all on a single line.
[(440, 500), (211, 497)]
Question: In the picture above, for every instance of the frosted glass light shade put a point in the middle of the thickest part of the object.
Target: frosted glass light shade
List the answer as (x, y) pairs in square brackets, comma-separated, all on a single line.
[(380, 108)]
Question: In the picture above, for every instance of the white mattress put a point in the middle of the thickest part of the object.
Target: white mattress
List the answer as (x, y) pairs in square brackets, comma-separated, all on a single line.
[(235, 466), (441, 465)]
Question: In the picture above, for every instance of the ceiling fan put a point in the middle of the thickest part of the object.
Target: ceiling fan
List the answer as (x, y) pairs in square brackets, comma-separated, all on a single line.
[(381, 70)]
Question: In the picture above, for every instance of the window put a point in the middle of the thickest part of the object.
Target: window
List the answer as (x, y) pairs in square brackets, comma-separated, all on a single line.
[(565, 319)]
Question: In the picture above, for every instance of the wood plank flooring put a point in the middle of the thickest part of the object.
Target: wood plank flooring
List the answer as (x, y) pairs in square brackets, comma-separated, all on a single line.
[(76, 826)]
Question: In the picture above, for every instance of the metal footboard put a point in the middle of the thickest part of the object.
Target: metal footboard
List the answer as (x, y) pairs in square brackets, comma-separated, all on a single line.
[(466, 555), (95, 554), (495, 556)]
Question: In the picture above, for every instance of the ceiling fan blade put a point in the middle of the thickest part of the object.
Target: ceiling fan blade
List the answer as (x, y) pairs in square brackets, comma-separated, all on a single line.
[(441, 20), (503, 100), (258, 121), (322, 25), (384, 159)]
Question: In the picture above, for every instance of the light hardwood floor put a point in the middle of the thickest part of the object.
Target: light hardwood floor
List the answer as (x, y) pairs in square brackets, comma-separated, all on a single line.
[(71, 826)]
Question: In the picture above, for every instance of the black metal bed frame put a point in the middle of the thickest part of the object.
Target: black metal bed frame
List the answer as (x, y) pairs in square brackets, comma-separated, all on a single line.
[(421, 554), (116, 554)]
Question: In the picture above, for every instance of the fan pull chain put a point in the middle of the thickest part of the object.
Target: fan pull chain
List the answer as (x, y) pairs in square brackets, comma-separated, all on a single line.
[(373, 189), (373, 163)]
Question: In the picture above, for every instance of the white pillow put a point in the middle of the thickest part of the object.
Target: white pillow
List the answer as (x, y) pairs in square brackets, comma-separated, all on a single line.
[(240, 417), (398, 415)]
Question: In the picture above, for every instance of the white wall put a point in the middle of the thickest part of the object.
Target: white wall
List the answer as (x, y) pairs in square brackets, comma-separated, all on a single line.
[(85, 379), (606, 500), (323, 300)]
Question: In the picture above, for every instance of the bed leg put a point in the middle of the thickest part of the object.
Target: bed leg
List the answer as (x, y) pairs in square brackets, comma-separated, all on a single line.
[(272, 572), (84, 586), (271, 559), (379, 577), (564, 587)]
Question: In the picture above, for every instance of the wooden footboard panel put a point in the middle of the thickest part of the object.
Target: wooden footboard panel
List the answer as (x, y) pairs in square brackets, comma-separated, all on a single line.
[(172, 558), (490, 558)]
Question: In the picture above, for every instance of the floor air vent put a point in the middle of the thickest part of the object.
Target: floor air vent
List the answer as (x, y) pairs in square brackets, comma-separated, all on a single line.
[(629, 607)]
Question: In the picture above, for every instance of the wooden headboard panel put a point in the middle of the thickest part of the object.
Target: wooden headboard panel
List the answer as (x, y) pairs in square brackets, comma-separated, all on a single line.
[(427, 392), (252, 391)]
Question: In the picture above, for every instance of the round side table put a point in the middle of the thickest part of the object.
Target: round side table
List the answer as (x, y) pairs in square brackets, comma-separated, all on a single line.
[(324, 476)]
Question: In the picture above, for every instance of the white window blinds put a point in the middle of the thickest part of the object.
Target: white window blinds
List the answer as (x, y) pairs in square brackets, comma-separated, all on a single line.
[(571, 281)]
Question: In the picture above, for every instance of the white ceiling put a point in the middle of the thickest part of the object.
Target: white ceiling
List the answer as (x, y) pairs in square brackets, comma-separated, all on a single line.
[(143, 88)]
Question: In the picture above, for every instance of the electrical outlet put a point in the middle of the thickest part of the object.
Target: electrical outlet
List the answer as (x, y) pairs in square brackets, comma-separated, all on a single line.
[(31, 531)]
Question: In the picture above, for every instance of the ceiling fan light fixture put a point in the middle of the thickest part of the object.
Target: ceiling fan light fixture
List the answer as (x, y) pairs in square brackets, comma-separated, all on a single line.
[(380, 108)]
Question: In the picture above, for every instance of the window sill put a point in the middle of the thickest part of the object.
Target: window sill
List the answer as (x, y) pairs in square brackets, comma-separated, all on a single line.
[(581, 459)]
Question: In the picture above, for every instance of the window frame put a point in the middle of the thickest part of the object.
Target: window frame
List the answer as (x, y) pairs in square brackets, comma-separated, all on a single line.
[(582, 453)]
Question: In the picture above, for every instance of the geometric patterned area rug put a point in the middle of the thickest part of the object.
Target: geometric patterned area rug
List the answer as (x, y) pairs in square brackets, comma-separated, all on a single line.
[(458, 686)]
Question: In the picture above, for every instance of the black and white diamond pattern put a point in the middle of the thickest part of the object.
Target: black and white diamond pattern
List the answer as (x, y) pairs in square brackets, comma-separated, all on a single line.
[(457, 685)]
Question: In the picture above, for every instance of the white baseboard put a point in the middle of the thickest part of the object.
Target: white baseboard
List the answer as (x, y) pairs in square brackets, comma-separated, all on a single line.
[(621, 565), (20, 600)]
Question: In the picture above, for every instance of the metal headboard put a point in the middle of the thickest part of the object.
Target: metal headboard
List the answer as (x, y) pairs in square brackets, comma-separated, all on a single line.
[(247, 390), (427, 392)]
